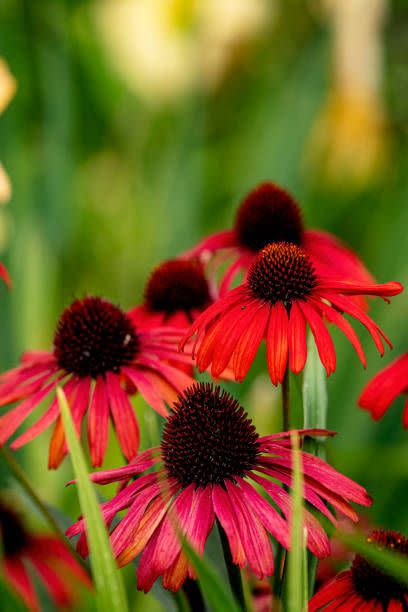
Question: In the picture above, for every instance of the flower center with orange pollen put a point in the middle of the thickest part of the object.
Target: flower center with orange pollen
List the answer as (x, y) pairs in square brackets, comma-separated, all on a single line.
[(282, 272), (370, 582), (13, 537), (94, 337), (209, 438), (268, 214), (177, 285)]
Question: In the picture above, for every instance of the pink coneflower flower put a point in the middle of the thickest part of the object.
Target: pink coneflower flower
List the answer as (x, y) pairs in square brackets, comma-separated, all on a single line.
[(384, 388), (270, 214), (97, 352), (208, 462), (364, 587), (282, 293), (175, 294), (45, 555)]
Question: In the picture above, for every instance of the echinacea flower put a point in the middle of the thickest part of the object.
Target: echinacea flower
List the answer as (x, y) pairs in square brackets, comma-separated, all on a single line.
[(25, 553), (175, 294), (269, 214), (206, 467), (363, 587), (384, 388), (282, 293), (99, 357)]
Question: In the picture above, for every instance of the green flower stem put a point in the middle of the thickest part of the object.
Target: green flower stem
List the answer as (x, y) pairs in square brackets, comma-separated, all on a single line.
[(234, 572)]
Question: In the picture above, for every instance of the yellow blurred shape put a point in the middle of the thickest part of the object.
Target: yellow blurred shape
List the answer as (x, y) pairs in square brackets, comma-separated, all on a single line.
[(8, 85), (349, 143), (5, 186), (165, 48)]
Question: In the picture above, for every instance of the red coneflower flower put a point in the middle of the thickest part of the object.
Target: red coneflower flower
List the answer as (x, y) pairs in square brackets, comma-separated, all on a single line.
[(270, 214), (384, 388), (96, 348), (175, 294), (4, 275), (50, 559), (364, 587), (282, 293), (206, 467)]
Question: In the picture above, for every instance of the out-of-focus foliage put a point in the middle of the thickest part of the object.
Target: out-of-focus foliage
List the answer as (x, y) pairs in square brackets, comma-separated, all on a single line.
[(111, 176)]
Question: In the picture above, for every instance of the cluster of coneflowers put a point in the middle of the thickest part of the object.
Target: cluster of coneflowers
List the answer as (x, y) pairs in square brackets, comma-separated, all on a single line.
[(211, 467)]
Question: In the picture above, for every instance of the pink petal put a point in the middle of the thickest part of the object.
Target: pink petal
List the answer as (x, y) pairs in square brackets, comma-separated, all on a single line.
[(229, 522)]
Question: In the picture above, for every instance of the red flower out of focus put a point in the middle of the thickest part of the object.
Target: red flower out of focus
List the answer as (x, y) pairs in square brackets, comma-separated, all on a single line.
[(175, 294), (364, 587), (269, 214), (97, 351), (384, 388), (206, 467), (50, 559), (4, 275), (282, 293)]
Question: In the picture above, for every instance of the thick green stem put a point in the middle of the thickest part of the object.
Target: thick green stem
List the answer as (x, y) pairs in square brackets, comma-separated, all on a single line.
[(22, 479), (234, 573)]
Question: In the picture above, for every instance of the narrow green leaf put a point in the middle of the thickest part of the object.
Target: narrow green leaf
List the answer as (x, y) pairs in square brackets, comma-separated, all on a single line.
[(110, 592), (214, 590), (315, 404), (314, 393), (296, 599), (392, 563), (10, 601)]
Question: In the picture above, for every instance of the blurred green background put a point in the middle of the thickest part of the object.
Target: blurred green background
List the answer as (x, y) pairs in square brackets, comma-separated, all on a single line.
[(137, 130)]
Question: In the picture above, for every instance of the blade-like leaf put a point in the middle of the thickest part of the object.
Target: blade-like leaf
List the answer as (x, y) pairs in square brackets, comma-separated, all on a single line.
[(393, 563), (110, 592), (214, 590), (295, 597), (314, 395)]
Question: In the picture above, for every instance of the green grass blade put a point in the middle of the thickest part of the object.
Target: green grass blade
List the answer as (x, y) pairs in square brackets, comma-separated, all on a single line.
[(214, 590), (392, 563), (315, 400), (110, 592), (296, 593)]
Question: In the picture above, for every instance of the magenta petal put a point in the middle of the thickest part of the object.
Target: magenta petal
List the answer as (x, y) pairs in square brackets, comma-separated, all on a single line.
[(127, 428)]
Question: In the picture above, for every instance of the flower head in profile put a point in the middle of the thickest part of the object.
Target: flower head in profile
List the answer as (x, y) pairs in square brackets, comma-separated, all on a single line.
[(99, 357), (269, 214), (283, 292), (208, 466), (385, 387), (175, 294), (25, 553), (363, 586)]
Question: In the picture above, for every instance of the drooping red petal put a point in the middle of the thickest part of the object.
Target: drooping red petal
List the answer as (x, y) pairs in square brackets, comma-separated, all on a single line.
[(277, 345), (383, 389), (354, 288), (297, 339), (124, 418), (98, 422), (335, 317), (324, 343), (253, 535), (17, 575), (249, 342), (332, 591), (5, 275), (229, 522)]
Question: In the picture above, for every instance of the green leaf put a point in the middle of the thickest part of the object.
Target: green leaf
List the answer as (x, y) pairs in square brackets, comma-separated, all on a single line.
[(110, 592), (214, 590), (314, 394), (10, 601), (296, 591), (392, 563)]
